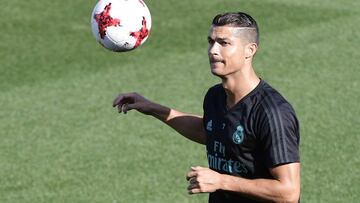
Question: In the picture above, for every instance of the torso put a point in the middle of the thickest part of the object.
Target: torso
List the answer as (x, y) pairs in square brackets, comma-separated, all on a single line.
[(237, 141)]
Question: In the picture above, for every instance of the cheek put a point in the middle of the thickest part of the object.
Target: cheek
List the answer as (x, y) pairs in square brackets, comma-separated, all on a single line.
[(236, 48), (235, 54), (231, 50)]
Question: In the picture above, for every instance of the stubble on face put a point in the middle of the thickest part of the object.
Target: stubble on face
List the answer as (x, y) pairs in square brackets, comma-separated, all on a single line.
[(231, 57), (229, 46)]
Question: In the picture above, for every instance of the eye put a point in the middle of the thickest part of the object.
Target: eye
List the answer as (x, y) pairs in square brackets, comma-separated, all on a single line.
[(224, 43), (210, 41)]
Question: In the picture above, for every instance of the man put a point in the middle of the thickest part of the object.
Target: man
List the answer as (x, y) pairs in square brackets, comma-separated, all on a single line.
[(250, 131)]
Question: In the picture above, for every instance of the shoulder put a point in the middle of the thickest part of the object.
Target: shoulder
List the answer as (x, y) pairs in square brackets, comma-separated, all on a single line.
[(213, 92), (214, 99), (277, 128), (272, 101), (274, 109)]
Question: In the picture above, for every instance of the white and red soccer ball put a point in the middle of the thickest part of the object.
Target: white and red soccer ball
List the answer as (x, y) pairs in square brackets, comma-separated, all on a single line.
[(121, 25)]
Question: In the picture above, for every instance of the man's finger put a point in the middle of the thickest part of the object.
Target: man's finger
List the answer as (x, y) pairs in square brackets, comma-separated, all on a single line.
[(197, 168), (194, 191), (124, 108), (193, 180), (191, 174), (119, 108), (193, 186), (119, 100)]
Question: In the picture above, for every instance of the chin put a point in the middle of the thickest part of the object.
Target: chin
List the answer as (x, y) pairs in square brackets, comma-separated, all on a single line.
[(217, 72)]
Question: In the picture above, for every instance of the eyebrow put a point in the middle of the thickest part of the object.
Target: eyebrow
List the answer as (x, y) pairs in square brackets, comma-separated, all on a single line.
[(218, 38)]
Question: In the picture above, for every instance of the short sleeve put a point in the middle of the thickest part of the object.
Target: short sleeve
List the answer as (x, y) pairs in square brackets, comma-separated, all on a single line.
[(279, 135)]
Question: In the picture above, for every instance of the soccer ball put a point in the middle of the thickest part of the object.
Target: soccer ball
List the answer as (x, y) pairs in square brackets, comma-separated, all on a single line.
[(121, 25)]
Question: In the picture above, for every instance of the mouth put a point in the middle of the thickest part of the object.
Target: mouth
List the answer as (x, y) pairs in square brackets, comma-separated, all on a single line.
[(215, 63), (214, 60)]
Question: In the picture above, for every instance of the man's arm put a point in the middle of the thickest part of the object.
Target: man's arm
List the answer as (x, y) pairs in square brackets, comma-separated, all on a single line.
[(285, 187), (188, 125)]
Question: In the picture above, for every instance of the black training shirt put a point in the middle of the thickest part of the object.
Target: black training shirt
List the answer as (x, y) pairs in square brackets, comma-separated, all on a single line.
[(261, 131)]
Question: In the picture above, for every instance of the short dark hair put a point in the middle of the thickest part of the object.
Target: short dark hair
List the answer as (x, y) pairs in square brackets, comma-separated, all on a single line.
[(237, 19)]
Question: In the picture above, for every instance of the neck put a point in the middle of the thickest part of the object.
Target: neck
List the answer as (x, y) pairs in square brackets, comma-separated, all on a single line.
[(239, 84)]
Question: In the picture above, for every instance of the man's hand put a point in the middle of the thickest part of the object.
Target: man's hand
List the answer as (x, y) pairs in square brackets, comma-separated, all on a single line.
[(203, 180), (188, 125), (129, 101)]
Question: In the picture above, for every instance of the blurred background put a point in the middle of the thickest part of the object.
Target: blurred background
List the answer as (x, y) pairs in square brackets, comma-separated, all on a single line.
[(61, 140)]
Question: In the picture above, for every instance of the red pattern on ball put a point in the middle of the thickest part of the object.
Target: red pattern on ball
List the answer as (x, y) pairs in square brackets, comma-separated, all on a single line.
[(104, 20), (141, 34)]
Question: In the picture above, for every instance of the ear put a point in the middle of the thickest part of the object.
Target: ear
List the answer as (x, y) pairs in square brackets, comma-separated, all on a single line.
[(250, 50)]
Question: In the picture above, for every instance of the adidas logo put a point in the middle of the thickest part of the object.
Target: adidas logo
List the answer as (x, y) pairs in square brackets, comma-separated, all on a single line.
[(209, 126)]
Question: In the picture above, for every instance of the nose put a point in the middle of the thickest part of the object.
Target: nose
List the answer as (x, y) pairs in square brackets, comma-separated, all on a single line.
[(213, 49)]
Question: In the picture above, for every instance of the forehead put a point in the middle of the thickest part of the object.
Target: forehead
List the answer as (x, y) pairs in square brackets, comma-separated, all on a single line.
[(221, 31)]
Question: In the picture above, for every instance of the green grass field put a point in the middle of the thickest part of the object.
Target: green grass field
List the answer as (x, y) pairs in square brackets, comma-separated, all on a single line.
[(61, 141)]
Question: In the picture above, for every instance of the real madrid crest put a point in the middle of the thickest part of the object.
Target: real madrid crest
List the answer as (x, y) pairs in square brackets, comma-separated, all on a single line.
[(238, 135)]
